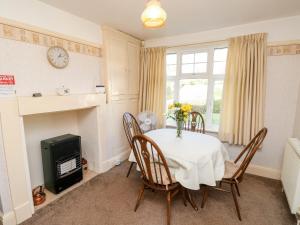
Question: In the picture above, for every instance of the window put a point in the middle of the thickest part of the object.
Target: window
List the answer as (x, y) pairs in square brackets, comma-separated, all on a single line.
[(196, 77)]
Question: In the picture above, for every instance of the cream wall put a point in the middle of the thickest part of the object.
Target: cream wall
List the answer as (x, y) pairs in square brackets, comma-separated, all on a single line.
[(284, 29), (282, 84), (33, 73), (36, 13), (297, 121)]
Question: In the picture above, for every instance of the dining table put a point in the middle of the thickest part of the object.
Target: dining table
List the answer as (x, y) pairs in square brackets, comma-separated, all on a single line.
[(193, 159)]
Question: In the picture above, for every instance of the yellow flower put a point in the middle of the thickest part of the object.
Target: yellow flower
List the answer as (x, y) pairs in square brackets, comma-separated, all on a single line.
[(186, 108), (171, 106)]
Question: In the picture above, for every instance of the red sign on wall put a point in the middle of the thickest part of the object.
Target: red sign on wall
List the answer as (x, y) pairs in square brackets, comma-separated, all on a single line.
[(7, 80), (7, 84)]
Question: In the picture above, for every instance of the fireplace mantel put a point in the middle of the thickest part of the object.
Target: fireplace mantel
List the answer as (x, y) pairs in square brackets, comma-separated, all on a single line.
[(48, 104)]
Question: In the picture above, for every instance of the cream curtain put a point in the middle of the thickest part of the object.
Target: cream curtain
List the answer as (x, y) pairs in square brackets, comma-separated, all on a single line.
[(244, 89), (152, 82)]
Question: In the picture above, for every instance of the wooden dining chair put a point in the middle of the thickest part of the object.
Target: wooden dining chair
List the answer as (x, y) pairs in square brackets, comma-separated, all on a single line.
[(131, 128), (234, 171), (195, 123), (155, 173)]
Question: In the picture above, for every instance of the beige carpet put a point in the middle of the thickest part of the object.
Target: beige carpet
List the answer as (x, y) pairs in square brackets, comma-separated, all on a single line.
[(109, 199)]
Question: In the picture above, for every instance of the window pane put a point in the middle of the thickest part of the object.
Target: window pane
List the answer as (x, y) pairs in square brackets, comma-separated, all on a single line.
[(194, 91), (171, 59), (219, 67), (171, 70), (188, 58), (170, 92), (201, 57), (200, 68), (218, 92), (187, 68), (170, 100), (220, 54)]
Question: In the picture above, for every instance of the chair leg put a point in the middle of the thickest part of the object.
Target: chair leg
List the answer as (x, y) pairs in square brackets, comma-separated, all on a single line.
[(129, 170), (139, 197), (235, 202), (237, 189), (168, 208), (204, 198)]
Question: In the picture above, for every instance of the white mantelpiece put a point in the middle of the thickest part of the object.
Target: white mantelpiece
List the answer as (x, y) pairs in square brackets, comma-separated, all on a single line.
[(47, 104), (13, 111)]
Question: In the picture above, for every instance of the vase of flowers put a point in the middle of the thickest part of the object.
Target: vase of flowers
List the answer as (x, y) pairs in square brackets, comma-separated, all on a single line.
[(179, 112)]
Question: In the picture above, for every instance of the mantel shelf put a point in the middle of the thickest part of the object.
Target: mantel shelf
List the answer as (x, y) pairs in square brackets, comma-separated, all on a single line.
[(48, 104)]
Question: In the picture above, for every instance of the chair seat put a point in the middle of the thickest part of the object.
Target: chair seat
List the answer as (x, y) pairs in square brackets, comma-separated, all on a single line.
[(163, 175), (230, 169)]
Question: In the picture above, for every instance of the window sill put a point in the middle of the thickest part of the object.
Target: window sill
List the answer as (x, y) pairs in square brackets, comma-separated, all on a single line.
[(212, 132)]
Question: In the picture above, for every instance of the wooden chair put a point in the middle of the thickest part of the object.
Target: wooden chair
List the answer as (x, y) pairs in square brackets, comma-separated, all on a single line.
[(131, 128), (155, 172), (234, 172), (195, 123)]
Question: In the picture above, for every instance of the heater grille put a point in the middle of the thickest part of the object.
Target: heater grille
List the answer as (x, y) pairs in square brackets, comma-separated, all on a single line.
[(68, 166)]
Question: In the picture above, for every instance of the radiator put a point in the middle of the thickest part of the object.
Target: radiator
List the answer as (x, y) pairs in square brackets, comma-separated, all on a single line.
[(290, 174)]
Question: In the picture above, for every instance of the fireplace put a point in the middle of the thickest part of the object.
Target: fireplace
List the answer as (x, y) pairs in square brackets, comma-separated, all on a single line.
[(25, 121), (61, 157)]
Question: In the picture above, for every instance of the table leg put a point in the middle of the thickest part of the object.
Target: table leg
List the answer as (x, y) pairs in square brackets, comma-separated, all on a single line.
[(190, 199)]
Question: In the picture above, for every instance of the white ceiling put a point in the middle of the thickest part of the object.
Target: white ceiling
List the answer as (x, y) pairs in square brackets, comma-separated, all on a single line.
[(184, 16)]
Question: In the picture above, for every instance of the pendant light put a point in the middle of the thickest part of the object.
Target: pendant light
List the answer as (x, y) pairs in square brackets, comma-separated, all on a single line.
[(154, 15)]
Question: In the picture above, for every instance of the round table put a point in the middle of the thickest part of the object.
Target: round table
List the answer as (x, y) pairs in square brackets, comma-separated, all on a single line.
[(194, 158)]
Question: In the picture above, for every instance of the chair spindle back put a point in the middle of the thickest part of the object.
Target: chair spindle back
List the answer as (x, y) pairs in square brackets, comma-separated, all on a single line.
[(151, 161), (131, 127), (195, 123), (248, 153)]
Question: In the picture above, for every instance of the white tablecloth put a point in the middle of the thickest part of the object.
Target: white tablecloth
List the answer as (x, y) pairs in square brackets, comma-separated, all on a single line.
[(194, 159)]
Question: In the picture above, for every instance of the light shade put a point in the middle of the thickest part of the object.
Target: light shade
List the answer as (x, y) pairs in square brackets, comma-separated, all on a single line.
[(153, 16)]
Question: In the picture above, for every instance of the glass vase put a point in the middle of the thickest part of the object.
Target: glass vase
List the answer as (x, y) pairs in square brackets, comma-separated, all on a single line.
[(179, 128)]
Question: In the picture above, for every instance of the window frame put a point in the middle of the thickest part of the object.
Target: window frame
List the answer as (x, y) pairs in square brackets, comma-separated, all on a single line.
[(179, 51)]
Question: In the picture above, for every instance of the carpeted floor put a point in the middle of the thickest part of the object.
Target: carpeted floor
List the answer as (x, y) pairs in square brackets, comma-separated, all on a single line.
[(109, 199)]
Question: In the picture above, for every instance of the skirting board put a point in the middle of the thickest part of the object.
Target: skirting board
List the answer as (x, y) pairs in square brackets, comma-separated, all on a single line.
[(8, 219), (108, 164), (264, 171)]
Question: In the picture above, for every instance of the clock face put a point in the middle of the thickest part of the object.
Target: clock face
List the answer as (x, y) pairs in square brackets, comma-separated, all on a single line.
[(58, 57)]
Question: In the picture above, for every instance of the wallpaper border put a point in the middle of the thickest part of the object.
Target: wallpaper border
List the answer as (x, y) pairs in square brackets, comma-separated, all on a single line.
[(9, 30), (39, 38), (287, 49)]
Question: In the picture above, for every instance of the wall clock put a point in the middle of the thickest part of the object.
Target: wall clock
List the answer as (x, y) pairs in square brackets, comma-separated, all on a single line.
[(58, 57)]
